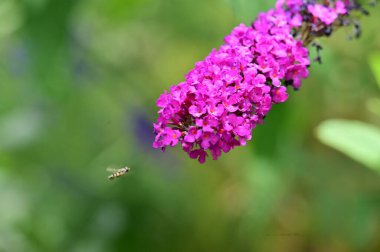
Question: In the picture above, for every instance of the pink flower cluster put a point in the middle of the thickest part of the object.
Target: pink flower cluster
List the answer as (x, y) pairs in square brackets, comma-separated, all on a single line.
[(225, 96), (326, 13), (230, 92)]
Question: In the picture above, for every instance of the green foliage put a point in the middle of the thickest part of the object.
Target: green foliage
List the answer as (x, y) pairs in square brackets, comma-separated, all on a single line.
[(360, 141), (246, 9), (373, 105), (375, 65)]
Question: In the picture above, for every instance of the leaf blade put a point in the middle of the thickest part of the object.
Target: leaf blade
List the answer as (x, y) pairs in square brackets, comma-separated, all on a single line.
[(357, 140)]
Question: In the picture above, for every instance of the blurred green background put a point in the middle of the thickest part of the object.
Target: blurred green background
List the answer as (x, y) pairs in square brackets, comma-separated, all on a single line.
[(78, 85)]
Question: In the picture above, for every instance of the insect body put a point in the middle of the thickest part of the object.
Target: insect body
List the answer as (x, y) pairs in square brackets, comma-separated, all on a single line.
[(117, 173)]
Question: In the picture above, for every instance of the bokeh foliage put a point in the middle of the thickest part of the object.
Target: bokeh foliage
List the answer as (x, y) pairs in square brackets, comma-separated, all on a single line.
[(78, 84)]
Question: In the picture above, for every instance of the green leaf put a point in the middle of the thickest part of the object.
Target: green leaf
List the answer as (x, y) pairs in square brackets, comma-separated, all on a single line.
[(247, 10), (358, 140), (11, 17), (20, 127), (374, 62), (373, 105)]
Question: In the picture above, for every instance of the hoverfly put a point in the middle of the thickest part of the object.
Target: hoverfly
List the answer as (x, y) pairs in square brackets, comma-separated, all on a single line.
[(116, 173)]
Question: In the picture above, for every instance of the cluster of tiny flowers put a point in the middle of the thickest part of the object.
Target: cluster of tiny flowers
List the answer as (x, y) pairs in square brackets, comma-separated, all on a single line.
[(225, 96), (312, 19), (325, 13), (230, 92)]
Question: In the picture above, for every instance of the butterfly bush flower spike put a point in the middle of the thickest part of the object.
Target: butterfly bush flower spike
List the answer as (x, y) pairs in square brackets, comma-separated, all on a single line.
[(232, 90)]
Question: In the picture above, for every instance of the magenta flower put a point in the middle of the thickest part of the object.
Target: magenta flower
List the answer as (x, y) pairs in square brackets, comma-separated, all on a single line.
[(207, 124), (192, 135), (199, 154), (231, 91), (279, 94), (197, 110), (209, 139), (325, 14), (168, 137), (215, 110), (340, 8)]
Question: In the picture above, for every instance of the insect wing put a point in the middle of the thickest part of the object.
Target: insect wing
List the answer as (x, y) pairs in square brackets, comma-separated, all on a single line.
[(111, 169)]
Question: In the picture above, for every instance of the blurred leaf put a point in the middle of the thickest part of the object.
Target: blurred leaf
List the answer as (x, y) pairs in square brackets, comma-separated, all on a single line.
[(20, 128), (374, 61), (247, 10), (36, 5), (358, 140), (11, 18), (373, 105)]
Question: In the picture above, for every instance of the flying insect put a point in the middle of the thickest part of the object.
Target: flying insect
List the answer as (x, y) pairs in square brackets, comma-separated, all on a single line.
[(117, 173)]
